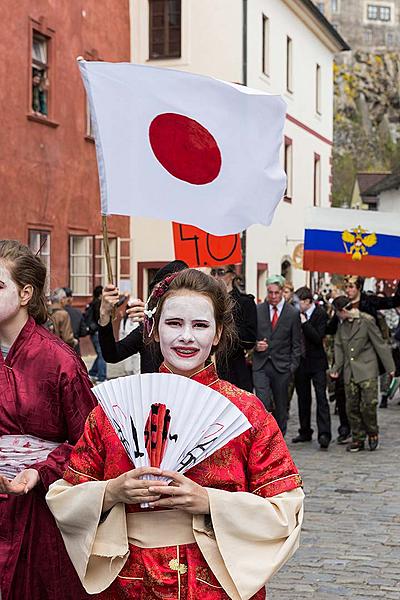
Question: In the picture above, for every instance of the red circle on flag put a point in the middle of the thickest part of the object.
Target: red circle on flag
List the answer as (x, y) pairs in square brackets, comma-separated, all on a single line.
[(186, 149)]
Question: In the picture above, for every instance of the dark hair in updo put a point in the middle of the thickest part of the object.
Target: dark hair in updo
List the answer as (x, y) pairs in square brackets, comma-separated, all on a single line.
[(201, 283), (26, 269)]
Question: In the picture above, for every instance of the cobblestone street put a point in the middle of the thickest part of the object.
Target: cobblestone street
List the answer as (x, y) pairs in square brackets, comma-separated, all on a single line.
[(350, 545)]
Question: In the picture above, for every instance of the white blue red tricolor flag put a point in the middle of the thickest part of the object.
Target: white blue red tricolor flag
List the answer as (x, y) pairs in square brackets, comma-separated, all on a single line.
[(181, 147), (354, 242)]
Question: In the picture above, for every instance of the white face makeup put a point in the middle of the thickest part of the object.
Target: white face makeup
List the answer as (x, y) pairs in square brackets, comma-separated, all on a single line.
[(187, 331), (9, 295)]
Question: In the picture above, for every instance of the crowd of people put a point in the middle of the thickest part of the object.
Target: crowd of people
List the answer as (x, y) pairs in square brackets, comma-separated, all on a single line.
[(307, 350), (295, 340), (292, 341), (205, 327)]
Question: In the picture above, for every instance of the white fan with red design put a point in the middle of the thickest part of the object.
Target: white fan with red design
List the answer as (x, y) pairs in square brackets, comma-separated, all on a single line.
[(169, 421)]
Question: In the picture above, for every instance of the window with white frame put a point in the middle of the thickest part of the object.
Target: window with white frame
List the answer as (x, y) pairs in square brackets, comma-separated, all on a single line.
[(265, 45), (39, 243), (100, 267), (318, 89), (376, 12), (385, 13), (88, 267), (81, 264), (289, 64)]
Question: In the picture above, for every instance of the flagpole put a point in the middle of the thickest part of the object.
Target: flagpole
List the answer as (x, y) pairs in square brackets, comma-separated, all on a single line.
[(106, 247), (107, 256)]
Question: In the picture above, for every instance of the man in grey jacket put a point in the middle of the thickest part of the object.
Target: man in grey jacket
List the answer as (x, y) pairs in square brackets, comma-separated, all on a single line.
[(358, 343), (278, 350)]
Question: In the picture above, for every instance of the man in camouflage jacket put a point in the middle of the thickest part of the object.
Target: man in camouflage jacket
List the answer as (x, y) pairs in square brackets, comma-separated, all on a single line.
[(358, 344)]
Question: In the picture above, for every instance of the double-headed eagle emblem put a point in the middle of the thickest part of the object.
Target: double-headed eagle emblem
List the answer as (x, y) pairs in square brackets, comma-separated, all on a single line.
[(357, 241)]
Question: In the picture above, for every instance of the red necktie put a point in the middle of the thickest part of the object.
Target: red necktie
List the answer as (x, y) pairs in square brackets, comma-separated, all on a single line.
[(275, 317)]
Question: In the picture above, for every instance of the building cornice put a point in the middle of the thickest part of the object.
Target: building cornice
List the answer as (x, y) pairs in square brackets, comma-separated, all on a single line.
[(318, 23)]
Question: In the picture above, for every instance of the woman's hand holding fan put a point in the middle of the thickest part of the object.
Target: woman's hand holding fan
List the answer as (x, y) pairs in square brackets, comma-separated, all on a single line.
[(182, 493), (130, 488)]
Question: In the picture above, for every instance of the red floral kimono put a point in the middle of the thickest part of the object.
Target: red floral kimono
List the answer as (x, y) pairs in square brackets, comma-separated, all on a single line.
[(44, 392), (257, 461)]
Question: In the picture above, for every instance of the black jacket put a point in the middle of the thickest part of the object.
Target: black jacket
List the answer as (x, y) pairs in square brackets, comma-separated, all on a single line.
[(234, 368), (284, 341), (314, 331), (113, 352)]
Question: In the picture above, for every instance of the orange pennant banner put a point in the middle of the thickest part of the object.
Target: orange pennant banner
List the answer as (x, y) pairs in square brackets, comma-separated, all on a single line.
[(201, 249)]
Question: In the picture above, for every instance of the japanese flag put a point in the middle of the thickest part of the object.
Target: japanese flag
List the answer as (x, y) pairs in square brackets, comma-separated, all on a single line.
[(183, 147)]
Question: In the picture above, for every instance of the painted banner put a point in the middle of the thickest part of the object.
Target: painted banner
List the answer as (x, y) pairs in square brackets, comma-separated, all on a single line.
[(197, 248), (353, 242)]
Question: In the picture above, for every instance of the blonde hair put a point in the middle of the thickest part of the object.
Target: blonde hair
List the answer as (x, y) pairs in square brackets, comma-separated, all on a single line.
[(288, 285)]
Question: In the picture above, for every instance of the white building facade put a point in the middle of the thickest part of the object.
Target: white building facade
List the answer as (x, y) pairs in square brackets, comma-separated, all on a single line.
[(279, 46)]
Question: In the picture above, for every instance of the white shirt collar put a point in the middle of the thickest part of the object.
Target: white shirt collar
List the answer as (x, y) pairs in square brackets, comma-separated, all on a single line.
[(278, 306), (310, 311)]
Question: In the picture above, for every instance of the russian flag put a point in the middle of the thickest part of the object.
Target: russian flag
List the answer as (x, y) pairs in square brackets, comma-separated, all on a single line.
[(354, 242)]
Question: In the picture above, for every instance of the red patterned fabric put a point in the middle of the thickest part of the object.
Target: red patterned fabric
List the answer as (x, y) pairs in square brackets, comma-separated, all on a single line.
[(257, 461), (45, 392)]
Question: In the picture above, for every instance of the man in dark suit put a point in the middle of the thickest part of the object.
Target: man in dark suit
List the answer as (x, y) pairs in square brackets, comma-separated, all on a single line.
[(278, 350), (313, 367)]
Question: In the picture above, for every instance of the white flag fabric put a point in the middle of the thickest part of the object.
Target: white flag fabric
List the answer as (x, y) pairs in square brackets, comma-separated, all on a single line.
[(183, 147)]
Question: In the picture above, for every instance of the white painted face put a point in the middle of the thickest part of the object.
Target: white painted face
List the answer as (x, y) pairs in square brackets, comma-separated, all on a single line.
[(9, 295), (187, 331)]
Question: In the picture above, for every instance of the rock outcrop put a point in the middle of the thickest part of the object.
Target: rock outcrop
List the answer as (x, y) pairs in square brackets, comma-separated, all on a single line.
[(366, 115)]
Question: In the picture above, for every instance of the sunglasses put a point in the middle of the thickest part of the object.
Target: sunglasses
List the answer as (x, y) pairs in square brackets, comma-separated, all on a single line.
[(220, 272)]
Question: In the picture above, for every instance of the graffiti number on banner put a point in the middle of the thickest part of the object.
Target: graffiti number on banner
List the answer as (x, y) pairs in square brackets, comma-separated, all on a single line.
[(201, 249)]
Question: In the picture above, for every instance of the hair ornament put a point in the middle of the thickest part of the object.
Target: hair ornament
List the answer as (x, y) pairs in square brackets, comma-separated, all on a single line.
[(157, 293)]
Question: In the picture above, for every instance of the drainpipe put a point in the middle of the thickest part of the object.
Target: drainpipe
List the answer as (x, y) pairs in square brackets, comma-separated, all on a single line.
[(244, 81)]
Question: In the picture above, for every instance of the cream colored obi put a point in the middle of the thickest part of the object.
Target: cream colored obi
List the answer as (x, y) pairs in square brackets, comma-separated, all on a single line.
[(160, 529)]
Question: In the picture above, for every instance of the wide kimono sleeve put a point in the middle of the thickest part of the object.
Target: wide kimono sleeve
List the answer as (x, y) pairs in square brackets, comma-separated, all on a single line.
[(77, 400), (97, 547), (252, 534)]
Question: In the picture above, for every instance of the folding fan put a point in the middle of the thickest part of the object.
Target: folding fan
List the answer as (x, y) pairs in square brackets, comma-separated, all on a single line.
[(169, 421)]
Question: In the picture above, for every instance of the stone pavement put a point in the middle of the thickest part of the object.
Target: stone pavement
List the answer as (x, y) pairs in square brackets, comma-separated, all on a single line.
[(350, 545)]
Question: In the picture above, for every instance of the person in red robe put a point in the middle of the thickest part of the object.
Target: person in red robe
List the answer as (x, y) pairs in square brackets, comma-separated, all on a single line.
[(236, 515), (45, 397)]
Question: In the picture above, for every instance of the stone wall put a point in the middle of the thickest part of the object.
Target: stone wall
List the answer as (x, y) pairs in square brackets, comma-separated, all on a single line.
[(359, 32)]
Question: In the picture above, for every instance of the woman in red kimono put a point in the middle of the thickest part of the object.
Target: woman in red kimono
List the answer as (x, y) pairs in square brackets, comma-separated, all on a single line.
[(237, 514), (45, 398)]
